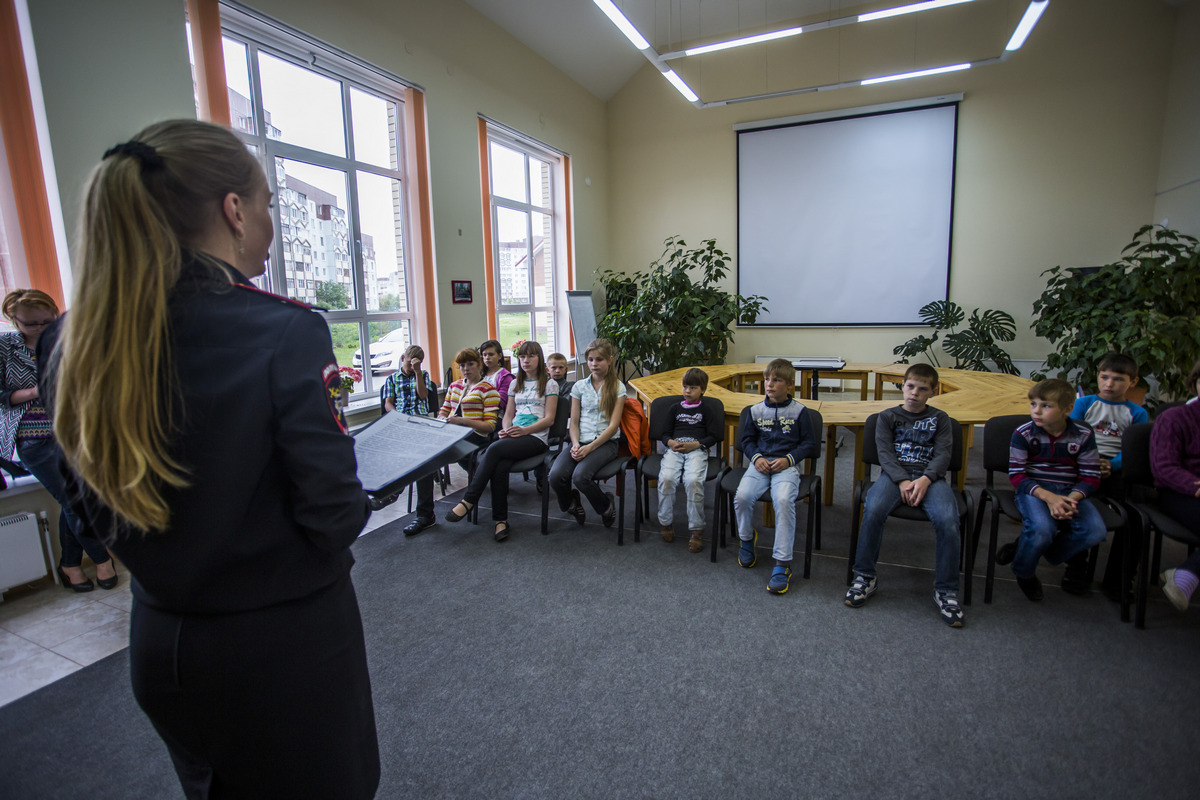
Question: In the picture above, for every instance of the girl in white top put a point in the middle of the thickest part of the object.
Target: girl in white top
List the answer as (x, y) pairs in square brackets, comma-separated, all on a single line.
[(596, 408), (528, 417)]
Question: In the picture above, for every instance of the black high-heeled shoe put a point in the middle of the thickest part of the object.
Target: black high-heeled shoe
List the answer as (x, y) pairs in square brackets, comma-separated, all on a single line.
[(86, 586), (108, 583)]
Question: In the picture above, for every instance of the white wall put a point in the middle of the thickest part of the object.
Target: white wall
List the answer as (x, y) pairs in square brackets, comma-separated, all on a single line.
[(1178, 189), (1058, 160)]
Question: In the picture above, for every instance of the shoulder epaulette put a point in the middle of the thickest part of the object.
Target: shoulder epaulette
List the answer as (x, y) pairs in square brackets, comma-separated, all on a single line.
[(250, 287)]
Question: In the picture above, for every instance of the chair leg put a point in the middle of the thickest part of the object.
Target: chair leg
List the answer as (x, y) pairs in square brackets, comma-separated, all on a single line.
[(972, 550), (1143, 584), (808, 537), (619, 480), (543, 475), (991, 560), (718, 521), (637, 505), (855, 522)]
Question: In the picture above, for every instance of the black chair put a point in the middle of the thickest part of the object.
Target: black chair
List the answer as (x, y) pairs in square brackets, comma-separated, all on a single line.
[(1140, 496), (809, 489), (997, 434), (870, 458), (648, 466)]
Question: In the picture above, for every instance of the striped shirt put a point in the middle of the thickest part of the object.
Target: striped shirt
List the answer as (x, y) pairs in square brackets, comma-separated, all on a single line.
[(481, 401), (1064, 463)]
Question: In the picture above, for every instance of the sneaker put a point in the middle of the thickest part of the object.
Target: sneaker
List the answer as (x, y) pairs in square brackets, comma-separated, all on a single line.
[(1006, 554), (781, 578), (947, 603), (747, 557), (1032, 588), (862, 588), (668, 534), (1074, 580), (418, 525), (696, 543), (576, 508), (610, 516), (1173, 592)]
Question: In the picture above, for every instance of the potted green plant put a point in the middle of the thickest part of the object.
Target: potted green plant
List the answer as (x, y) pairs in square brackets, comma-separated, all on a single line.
[(1146, 305), (973, 347), (678, 316)]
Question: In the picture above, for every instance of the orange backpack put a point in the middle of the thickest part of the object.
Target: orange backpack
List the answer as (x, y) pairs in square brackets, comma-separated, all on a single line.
[(635, 430)]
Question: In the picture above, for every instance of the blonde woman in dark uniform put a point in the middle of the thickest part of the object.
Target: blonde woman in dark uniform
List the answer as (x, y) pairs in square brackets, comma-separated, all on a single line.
[(195, 412)]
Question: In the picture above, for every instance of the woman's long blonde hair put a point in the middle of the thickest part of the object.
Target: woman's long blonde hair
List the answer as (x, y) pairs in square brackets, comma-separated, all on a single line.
[(608, 392), (149, 199)]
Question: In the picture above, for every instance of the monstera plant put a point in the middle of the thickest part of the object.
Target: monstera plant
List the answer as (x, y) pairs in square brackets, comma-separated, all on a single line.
[(973, 347)]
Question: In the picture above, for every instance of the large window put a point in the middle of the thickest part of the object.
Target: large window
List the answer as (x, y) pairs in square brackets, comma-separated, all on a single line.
[(528, 239), (331, 138)]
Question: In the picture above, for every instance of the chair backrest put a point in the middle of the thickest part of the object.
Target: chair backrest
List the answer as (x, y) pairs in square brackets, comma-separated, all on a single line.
[(1135, 455), (562, 418), (659, 420), (870, 452), (997, 437)]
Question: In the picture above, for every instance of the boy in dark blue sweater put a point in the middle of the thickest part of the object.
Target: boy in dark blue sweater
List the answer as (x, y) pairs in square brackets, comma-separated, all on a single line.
[(776, 435)]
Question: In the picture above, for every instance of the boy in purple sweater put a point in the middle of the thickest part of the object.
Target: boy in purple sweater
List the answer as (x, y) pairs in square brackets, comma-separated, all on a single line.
[(1053, 464), (1175, 462)]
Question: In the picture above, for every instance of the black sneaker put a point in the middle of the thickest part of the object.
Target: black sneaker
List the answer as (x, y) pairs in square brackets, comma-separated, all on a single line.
[(1032, 587), (610, 516), (1006, 554), (418, 525), (947, 603), (1074, 580), (862, 588)]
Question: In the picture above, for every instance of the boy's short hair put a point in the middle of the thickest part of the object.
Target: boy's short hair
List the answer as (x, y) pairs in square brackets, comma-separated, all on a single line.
[(922, 372), (1055, 391), (696, 377), (1118, 362), (467, 354), (781, 368), (414, 351), (556, 357)]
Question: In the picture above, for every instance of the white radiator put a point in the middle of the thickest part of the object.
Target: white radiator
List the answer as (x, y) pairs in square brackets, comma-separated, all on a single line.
[(22, 558)]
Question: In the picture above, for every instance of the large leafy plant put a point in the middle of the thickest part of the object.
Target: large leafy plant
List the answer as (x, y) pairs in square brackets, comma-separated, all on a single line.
[(679, 315), (1146, 305), (972, 347)]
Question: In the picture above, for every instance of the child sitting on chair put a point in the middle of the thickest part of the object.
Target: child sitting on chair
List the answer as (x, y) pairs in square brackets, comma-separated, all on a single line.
[(556, 364), (914, 441), (692, 429), (407, 389), (777, 436), (1053, 464)]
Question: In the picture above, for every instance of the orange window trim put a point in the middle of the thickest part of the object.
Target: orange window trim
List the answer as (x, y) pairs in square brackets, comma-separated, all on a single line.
[(25, 160), (489, 261), (205, 19), (421, 220)]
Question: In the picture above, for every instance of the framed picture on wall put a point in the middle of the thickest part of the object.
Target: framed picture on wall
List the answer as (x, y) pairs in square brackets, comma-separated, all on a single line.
[(461, 291)]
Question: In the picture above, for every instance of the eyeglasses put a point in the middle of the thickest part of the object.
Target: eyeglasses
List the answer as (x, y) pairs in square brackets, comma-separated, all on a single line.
[(25, 324)]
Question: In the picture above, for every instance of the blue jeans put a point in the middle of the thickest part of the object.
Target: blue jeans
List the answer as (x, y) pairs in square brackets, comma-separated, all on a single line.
[(41, 457), (692, 468), (784, 487), (1057, 540), (941, 508)]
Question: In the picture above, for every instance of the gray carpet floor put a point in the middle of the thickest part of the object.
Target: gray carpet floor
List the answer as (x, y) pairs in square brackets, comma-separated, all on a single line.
[(564, 666)]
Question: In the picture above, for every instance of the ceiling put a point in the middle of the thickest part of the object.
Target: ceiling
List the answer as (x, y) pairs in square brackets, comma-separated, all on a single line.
[(576, 37)]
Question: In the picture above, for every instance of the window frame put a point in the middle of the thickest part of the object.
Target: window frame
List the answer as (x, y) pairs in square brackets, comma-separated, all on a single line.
[(559, 212), (260, 34)]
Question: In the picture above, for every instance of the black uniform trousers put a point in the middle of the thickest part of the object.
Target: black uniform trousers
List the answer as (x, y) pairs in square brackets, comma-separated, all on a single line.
[(290, 679)]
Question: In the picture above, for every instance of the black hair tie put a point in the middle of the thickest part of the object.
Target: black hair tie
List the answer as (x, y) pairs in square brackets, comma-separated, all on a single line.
[(144, 153)]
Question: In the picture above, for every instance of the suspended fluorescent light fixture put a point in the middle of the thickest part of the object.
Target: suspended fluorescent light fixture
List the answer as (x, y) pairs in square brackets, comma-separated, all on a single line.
[(918, 74), (1025, 26), (909, 9), (678, 83), (625, 26), (762, 37)]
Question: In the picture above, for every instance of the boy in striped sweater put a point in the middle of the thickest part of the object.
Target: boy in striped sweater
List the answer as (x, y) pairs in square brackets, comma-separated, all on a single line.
[(1053, 465)]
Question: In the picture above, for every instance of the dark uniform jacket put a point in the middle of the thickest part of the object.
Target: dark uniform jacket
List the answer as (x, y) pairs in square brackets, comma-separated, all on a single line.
[(273, 503)]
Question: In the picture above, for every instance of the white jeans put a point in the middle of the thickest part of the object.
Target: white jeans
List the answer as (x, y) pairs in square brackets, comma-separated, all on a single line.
[(693, 467), (784, 487)]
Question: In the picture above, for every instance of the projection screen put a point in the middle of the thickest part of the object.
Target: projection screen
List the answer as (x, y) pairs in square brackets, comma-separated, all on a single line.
[(846, 221)]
